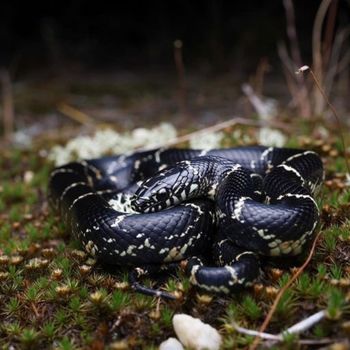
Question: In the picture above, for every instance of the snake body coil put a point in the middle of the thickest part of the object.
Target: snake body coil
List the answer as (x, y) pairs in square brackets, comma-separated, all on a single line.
[(224, 207)]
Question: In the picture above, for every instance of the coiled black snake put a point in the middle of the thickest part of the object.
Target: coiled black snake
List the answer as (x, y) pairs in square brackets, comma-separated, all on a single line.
[(222, 207)]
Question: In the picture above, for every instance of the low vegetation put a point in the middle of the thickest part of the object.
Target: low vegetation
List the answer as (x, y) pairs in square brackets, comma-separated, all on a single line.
[(53, 295)]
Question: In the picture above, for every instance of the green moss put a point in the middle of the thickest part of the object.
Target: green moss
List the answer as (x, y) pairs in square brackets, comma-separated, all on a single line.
[(12, 306), (320, 331), (251, 308), (5, 232), (12, 329), (336, 303), (287, 305), (290, 340), (119, 300), (166, 316), (143, 302), (75, 304), (29, 336), (49, 330), (66, 344), (336, 271), (61, 317), (13, 192), (90, 305)]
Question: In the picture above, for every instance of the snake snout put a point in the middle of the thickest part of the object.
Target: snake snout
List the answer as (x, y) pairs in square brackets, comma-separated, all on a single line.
[(143, 204), (152, 200), (154, 194)]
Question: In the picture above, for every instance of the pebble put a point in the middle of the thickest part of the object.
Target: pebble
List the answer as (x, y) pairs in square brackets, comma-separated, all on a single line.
[(195, 334), (171, 344)]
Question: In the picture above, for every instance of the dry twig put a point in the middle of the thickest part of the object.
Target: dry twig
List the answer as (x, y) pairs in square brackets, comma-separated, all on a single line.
[(262, 108), (300, 90), (337, 63), (329, 58), (335, 114), (258, 81), (317, 53), (330, 26), (299, 327), (7, 100), (180, 69)]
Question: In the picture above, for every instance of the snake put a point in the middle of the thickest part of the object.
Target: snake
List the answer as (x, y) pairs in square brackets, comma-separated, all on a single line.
[(217, 212)]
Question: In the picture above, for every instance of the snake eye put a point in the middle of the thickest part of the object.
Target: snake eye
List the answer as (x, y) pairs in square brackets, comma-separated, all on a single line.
[(162, 195)]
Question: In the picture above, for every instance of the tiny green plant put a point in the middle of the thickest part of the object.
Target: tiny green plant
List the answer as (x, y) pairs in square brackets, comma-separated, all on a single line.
[(303, 283), (75, 304), (320, 331), (80, 320), (32, 232), (119, 300), (286, 304), (49, 330), (336, 302), (322, 271), (336, 271), (316, 289), (29, 336), (12, 306), (251, 308), (166, 316), (142, 302), (61, 317), (66, 344), (290, 340), (32, 294), (13, 329), (330, 242), (5, 232)]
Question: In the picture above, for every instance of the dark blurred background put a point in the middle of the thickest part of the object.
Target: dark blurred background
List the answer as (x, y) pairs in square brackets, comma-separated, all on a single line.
[(115, 61), (217, 34)]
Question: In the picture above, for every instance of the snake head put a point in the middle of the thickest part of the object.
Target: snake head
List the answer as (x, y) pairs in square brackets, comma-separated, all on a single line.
[(158, 192)]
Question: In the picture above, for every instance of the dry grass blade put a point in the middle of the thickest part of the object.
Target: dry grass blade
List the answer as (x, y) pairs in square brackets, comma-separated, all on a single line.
[(221, 126), (75, 114), (282, 291)]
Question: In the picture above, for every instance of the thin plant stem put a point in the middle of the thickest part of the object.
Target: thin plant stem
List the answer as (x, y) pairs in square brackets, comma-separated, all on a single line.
[(341, 135), (281, 293)]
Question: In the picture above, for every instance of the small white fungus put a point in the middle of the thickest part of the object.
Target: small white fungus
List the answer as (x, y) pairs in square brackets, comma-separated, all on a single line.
[(108, 141), (195, 334), (171, 344), (207, 140), (347, 179), (271, 137)]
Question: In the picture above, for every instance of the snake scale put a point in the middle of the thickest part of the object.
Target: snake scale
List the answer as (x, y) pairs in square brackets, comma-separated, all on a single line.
[(220, 210)]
